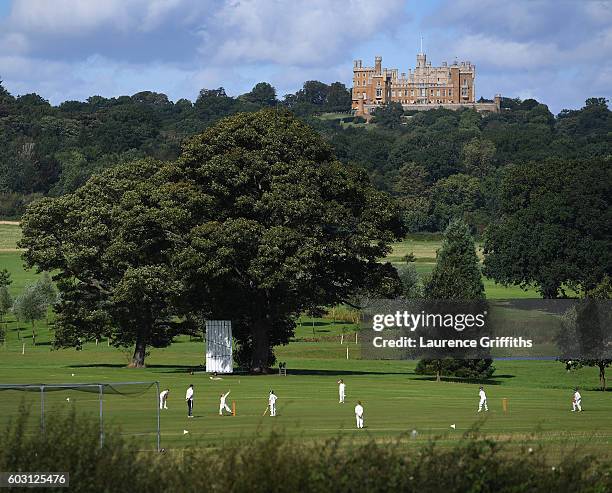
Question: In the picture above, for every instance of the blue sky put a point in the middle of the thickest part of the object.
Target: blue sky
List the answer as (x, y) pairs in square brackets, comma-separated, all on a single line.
[(557, 51)]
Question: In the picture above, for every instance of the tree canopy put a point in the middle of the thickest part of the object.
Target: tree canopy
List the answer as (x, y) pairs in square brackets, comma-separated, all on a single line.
[(255, 222), (553, 227)]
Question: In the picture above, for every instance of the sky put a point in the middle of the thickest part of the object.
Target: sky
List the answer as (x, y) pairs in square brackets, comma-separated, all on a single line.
[(556, 51)]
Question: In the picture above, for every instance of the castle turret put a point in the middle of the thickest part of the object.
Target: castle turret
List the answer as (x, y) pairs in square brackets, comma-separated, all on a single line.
[(378, 65), (498, 102), (421, 60)]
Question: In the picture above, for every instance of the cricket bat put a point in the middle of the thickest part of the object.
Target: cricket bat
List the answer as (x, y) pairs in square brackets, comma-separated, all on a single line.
[(266, 411)]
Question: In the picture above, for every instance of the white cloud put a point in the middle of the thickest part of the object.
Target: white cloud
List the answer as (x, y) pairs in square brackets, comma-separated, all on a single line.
[(80, 17), (67, 17), (301, 32)]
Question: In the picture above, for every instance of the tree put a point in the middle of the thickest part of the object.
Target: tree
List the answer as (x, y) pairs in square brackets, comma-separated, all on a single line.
[(586, 329), (213, 104), (262, 94), (457, 196), (412, 285), (46, 288), (338, 97), (30, 306), (389, 115), (410, 186), (111, 247), (275, 225), (456, 276), (6, 302), (553, 226), (5, 278), (477, 157)]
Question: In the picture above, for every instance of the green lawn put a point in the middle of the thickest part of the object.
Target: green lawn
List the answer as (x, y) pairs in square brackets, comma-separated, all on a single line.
[(396, 400)]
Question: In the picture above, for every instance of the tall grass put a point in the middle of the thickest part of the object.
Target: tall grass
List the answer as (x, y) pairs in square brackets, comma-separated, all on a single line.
[(274, 463), (342, 314)]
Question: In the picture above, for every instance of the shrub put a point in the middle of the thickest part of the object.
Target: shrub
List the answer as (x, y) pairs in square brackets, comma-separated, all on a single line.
[(276, 464)]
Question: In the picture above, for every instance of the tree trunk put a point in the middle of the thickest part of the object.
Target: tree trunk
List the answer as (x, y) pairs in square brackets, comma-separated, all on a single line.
[(602, 376), (261, 346), (33, 334), (138, 359), (438, 371)]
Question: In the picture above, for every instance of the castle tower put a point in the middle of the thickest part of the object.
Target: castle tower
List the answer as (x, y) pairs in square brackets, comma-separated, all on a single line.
[(421, 57), (497, 100), (378, 65)]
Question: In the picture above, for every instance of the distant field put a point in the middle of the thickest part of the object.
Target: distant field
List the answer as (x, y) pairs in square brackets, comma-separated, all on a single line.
[(10, 234), (424, 248)]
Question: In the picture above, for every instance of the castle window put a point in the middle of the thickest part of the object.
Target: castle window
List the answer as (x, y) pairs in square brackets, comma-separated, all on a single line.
[(378, 93), (412, 92), (437, 92), (443, 92), (450, 93)]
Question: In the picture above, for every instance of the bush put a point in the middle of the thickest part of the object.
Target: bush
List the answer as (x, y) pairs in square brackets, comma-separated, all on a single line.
[(277, 464), (473, 369)]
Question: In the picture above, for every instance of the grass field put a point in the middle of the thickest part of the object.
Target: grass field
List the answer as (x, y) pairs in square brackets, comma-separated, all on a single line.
[(396, 400)]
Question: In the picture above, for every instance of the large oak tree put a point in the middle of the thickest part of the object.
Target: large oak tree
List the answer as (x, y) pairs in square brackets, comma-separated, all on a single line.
[(277, 225), (255, 222), (111, 247)]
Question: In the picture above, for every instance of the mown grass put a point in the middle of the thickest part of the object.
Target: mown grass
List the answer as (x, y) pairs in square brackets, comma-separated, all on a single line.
[(396, 400)]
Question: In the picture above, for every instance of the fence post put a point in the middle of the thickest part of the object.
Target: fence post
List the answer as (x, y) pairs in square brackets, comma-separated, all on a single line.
[(101, 393), (158, 418), (42, 409)]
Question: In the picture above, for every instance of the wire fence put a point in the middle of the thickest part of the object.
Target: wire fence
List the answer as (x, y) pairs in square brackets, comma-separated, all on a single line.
[(133, 407)]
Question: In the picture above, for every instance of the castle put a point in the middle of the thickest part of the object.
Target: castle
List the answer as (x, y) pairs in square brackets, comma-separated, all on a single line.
[(425, 88)]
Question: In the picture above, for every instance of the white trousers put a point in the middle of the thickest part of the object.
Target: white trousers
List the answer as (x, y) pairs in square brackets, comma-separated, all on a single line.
[(272, 409), (359, 421), (222, 407), (341, 396), (483, 402), (163, 404), (577, 405)]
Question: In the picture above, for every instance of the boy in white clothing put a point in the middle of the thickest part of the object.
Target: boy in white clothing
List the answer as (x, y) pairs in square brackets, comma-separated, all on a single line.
[(483, 400), (341, 388), (577, 401), (359, 414), (189, 400), (223, 404), (272, 403), (163, 399)]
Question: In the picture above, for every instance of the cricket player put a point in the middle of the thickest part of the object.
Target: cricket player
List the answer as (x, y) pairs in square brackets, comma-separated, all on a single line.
[(163, 399), (483, 400), (341, 388), (223, 404), (359, 414), (189, 399), (272, 403), (577, 401)]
